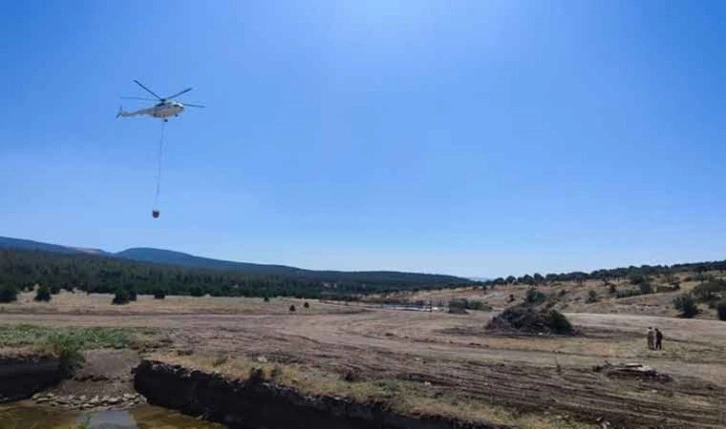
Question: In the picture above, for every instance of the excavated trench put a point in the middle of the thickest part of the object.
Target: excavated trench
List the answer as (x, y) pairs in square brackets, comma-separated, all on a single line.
[(234, 404), (254, 405)]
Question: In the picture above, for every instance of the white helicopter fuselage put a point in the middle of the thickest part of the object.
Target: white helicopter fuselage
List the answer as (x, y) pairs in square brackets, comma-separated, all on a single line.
[(166, 110), (162, 110)]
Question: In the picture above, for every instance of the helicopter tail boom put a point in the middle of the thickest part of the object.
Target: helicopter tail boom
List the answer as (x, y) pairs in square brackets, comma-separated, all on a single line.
[(125, 114)]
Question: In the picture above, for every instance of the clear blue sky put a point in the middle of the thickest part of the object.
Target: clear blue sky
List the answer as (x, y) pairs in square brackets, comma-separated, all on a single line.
[(469, 137)]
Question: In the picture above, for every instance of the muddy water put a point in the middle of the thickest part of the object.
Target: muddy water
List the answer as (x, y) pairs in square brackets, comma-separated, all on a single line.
[(21, 416)]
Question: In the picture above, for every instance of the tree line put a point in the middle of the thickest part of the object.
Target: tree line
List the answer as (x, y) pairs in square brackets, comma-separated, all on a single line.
[(23, 269), (633, 273)]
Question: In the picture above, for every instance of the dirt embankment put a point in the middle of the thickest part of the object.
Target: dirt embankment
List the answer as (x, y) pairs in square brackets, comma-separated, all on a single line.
[(103, 381), (22, 376), (251, 404)]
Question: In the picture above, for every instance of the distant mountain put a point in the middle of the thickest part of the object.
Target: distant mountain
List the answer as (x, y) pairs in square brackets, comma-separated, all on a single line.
[(16, 243), (170, 257), (161, 256)]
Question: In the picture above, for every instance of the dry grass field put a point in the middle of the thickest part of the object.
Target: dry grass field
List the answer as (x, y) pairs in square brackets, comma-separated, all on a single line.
[(428, 363)]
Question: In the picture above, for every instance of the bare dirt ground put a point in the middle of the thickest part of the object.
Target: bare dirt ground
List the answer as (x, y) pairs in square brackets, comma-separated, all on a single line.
[(453, 355), (105, 372)]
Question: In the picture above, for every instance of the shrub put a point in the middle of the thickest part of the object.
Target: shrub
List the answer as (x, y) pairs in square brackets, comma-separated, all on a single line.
[(221, 360), (709, 291), (257, 376), (196, 291), (721, 310), (612, 289), (637, 278), (276, 372), (68, 349), (479, 305), (511, 298), (8, 293), (292, 308), (666, 288), (266, 299), (43, 294), (121, 297), (645, 287), (534, 296), (159, 293), (627, 293), (591, 296), (55, 289), (131, 291), (558, 323), (306, 305), (686, 305), (527, 319)]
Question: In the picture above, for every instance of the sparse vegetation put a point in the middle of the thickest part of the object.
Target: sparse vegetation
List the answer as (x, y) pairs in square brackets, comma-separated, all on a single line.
[(65, 343), (591, 296), (85, 424), (292, 308), (306, 305), (710, 291), (221, 360), (41, 336)]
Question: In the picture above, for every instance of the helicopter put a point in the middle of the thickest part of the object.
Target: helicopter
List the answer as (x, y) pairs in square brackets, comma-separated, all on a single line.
[(164, 109)]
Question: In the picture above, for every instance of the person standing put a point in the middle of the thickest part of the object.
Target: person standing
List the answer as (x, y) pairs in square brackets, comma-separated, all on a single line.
[(651, 338), (658, 339)]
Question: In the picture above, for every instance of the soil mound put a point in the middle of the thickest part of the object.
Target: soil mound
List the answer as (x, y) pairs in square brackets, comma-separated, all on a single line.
[(531, 320), (632, 370)]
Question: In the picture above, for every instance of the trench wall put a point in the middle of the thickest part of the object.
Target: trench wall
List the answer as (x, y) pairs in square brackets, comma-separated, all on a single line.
[(250, 405), (21, 377)]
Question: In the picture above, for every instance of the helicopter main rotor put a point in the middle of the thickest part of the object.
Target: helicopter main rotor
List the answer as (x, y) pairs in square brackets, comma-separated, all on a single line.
[(161, 100)]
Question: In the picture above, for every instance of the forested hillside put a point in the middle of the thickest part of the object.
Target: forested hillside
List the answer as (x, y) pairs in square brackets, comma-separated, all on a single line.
[(632, 272), (356, 277), (91, 273)]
